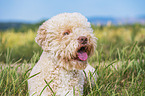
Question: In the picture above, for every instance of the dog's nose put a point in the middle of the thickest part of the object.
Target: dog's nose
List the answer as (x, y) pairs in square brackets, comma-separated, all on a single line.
[(82, 40)]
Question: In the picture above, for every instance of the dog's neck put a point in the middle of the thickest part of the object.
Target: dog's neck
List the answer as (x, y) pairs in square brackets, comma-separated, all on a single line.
[(67, 65)]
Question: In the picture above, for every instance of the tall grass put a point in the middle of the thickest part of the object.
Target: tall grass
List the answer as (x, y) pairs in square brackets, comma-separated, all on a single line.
[(14, 77), (121, 77)]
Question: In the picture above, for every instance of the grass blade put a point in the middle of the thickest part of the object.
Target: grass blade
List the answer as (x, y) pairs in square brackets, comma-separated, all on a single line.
[(48, 86)]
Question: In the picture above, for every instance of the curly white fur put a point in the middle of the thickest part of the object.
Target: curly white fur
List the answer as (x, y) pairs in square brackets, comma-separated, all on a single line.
[(58, 61)]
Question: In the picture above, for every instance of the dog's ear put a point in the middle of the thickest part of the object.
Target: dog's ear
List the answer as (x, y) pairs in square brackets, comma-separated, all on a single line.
[(41, 37)]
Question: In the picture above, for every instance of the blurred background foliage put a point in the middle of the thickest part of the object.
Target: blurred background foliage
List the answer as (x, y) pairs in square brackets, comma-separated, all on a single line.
[(20, 41)]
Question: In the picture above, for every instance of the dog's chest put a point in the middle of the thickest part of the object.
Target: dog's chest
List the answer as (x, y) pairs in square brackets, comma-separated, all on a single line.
[(64, 81)]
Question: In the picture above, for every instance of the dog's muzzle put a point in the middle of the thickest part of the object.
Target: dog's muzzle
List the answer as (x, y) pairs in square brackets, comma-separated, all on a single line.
[(81, 52)]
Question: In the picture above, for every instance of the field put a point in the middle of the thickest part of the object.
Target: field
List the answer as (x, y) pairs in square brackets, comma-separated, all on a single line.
[(118, 59)]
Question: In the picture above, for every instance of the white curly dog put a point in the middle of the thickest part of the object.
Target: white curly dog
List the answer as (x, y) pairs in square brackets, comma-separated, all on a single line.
[(67, 41)]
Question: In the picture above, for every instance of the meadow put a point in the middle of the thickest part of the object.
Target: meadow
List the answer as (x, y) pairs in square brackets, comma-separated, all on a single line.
[(118, 59)]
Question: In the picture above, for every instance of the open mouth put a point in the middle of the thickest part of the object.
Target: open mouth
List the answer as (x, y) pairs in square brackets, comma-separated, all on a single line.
[(82, 54)]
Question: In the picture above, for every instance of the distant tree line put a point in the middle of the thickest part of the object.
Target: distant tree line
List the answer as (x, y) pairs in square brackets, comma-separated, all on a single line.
[(19, 27)]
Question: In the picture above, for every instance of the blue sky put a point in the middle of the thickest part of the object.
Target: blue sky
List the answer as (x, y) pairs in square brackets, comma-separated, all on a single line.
[(36, 10)]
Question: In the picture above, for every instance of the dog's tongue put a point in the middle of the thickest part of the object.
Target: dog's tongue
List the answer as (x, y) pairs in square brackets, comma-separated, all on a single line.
[(82, 56)]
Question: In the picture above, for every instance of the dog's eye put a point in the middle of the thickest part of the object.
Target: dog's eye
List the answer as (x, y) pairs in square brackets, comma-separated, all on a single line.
[(66, 33)]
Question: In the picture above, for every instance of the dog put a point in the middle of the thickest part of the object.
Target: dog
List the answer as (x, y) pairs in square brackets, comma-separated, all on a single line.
[(67, 41)]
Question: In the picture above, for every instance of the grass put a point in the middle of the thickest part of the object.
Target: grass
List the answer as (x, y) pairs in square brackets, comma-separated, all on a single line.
[(118, 59), (22, 45), (121, 77), (11, 78), (14, 77)]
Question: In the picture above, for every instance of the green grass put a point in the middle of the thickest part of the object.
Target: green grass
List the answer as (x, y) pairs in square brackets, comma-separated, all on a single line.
[(121, 77), (14, 77)]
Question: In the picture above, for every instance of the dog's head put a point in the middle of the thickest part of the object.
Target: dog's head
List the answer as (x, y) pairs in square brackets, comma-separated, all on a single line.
[(69, 37)]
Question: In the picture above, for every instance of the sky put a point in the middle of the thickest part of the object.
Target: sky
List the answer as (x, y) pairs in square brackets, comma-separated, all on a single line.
[(36, 10)]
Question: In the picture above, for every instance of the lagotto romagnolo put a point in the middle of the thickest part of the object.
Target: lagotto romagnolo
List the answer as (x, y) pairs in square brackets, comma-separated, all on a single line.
[(67, 41)]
